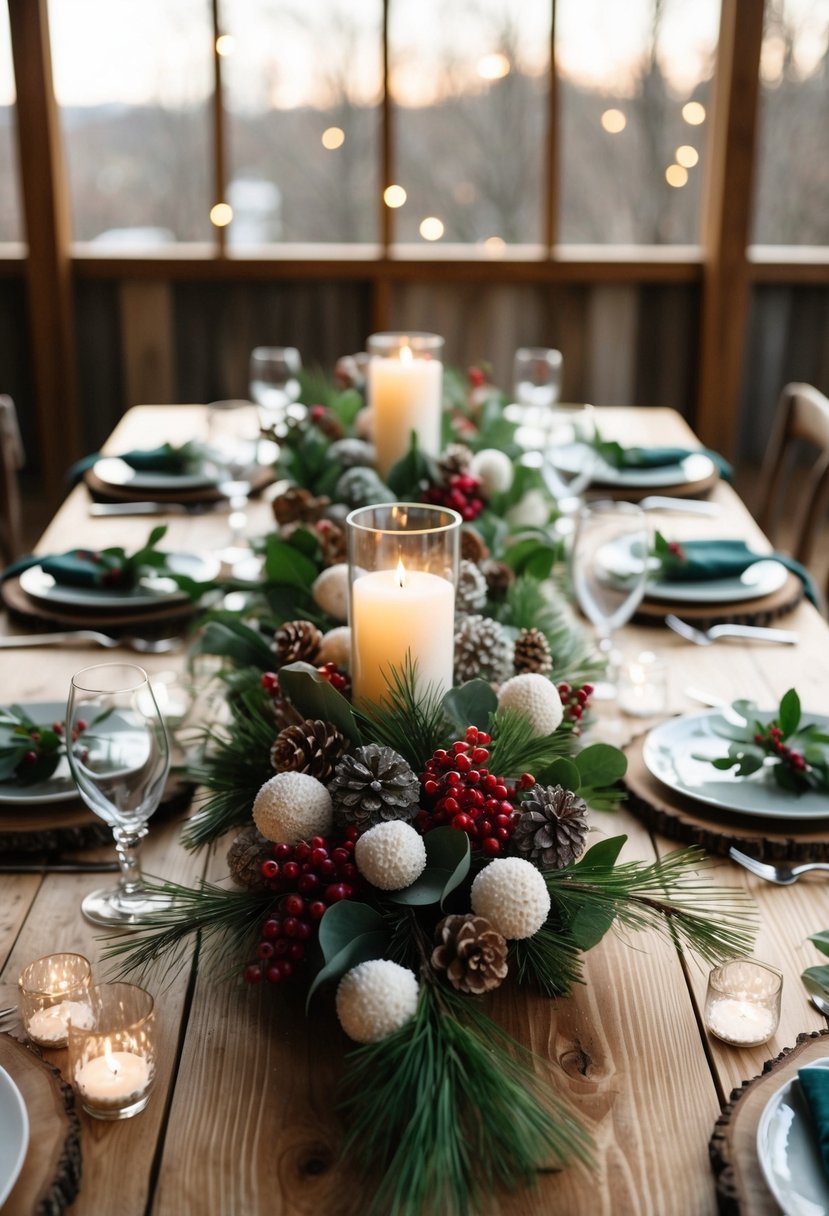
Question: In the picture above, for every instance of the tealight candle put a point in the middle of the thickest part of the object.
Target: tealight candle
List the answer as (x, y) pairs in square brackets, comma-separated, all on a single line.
[(643, 686), (54, 990), (112, 1063), (742, 1004), (113, 1080), (405, 394)]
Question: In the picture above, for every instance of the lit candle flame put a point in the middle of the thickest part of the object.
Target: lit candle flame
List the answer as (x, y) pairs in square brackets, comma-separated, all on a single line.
[(405, 354), (401, 573), (112, 1063)]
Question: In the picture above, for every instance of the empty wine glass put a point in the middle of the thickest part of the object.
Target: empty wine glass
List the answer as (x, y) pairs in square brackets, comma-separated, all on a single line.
[(609, 565), (274, 381), (119, 757), (537, 378), (561, 443), (231, 458)]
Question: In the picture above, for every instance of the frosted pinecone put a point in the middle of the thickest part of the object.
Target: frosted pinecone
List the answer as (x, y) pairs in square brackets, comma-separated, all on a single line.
[(499, 577), (483, 650), (553, 827), (373, 785), (473, 546), (532, 653), (471, 593)]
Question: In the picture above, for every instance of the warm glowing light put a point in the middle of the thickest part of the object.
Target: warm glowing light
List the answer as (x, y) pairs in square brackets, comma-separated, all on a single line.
[(676, 176), (394, 196), (225, 44), (614, 121), (112, 1063), (401, 573), (686, 156), (221, 215), (495, 246), (465, 193), (694, 113), (333, 137), (406, 354), (493, 67), (431, 228)]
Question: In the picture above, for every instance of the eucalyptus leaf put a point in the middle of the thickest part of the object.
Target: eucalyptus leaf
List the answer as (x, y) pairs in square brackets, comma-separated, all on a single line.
[(284, 564), (233, 639), (309, 692), (601, 856), (470, 704), (600, 764), (589, 925), (821, 941), (343, 922), (749, 762), (447, 865), (816, 981), (563, 772), (789, 718)]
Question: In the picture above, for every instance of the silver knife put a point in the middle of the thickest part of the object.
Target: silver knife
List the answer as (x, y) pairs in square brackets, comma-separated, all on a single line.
[(58, 867), (155, 508), (691, 506)]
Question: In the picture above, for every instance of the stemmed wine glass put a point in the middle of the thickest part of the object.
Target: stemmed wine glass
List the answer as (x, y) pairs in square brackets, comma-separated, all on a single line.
[(230, 456), (274, 381), (609, 564), (537, 376), (119, 757)]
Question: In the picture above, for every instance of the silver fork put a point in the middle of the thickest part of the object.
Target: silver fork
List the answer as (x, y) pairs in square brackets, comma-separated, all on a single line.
[(142, 645), (777, 872), (7, 1012), (706, 637)]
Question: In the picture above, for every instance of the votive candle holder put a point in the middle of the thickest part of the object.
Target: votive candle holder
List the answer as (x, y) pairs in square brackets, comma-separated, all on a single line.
[(54, 990), (405, 394), (742, 1003), (112, 1064)]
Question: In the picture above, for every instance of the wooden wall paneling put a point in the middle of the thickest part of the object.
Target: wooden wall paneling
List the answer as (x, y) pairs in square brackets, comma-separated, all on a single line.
[(571, 305), (99, 361), (767, 336), (15, 363), (666, 344), (146, 316), (612, 321)]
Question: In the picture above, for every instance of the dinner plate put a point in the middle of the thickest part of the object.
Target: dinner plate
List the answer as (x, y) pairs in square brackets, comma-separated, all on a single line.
[(14, 1134), (116, 472), (620, 560), (696, 467), (788, 1152), (151, 590), (59, 787), (670, 752)]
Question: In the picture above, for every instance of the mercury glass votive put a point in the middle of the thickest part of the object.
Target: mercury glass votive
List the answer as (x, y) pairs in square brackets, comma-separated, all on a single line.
[(742, 1004), (112, 1064), (403, 570), (405, 394), (643, 686), (54, 990)]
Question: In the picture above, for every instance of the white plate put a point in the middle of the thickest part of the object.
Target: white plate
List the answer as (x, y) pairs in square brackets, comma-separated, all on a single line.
[(669, 753), (117, 472), (59, 787), (14, 1134), (150, 591), (788, 1152), (692, 468), (765, 576)]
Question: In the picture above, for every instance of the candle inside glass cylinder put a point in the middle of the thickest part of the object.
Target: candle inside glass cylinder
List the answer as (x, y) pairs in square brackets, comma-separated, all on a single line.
[(741, 1022), (48, 1026), (405, 394), (114, 1080), (54, 990), (742, 1004)]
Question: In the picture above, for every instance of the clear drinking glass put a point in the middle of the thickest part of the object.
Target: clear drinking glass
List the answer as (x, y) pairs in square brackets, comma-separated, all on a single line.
[(609, 564), (231, 457), (119, 756), (537, 378), (112, 1058), (274, 381), (560, 441)]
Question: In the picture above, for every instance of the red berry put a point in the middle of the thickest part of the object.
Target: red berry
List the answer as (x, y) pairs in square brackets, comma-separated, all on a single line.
[(303, 930), (293, 905), (272, 928), (30, 758), (81, 725), (270, 683), (302, 851), (289, 925), (290, 870), (308, 883), (462, 822), (264, 950), (253, 974), (335, 892), (270, 869), (316, 910), (318, 856), (491, 846)]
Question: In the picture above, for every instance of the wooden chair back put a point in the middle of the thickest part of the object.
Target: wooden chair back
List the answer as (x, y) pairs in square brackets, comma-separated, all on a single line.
[(11, 461), (802, 415)]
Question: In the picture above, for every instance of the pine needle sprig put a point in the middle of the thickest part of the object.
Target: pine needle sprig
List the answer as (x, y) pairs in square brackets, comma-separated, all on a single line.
[(462, 1112), (669, 896), (532, 604), (516, 749), (226, 919), (549, 960), (409, 720)]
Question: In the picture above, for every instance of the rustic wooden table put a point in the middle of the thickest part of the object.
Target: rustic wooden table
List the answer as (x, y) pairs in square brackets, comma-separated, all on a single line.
[(242, 1119)]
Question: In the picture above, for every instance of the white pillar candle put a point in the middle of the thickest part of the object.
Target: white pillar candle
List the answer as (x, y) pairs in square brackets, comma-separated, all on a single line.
[(400, 611), (741, 1022), (113, 1080), (48, 1026), (405, 394)]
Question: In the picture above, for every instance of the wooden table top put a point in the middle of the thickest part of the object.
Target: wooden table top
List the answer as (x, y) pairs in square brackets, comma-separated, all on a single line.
[(242, 1118)]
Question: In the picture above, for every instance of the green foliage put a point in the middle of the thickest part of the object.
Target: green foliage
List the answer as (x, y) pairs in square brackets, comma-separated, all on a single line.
[(816, 979), (411, 721), (447, 865), (350, 933), (412, 474), (529, 604), (21, 736), (470, 704), (516, 749), (232, 639), (315, 697)]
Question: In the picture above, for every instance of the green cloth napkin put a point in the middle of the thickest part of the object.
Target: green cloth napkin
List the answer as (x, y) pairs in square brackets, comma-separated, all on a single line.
[(815, 1085), (81, 568), (693, 561), (166, 458), (620, 457)]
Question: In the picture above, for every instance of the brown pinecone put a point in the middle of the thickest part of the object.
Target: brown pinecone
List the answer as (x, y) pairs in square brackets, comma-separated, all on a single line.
[(296, 641), (326, 422), (373, 785), (552, 829), (471, 953), (455, 459), (473, 548), (245, 857), (332, 542), (532, 653), (311, 747), (499, 578), (298, 505)]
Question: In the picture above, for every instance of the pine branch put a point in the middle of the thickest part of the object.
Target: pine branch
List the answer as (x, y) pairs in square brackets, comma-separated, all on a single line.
[(409, 720), (532, 604), (549, 960), (515, 749)]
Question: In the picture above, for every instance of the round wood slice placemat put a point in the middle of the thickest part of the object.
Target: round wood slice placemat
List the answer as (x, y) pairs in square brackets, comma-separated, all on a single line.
[(760, 611), (741, 1188), (686, 489), (105, 491), (162, 619), (717, 830), (51, 1174)]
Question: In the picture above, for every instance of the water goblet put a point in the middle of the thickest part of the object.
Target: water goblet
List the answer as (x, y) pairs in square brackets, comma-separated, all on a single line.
[(230, 457), (119, 757), (537, 379), (609, 566), (274, 381)]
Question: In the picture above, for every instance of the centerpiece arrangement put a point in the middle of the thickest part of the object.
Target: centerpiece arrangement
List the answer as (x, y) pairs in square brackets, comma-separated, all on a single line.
[(410, 797)]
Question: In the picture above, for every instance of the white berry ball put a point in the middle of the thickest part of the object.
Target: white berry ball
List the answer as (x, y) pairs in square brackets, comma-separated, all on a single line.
[(291, 807), (494, 468), (330, 591), (391, 855), (512, 895), (536, 698), (376, 998), (531, 511), (364, 423), (335, 647)]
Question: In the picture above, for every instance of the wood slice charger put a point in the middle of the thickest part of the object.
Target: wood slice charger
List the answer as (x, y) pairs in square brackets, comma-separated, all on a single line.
[(51, 1174), (760, 611), (700, 488), (741, 1188), (40, 614), (714, 828), (107, 491)]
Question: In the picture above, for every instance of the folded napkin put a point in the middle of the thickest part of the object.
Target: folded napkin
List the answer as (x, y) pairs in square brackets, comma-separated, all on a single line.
[(82, 568), (166, 458), (620, 457), (815, 1085), (693, 561)]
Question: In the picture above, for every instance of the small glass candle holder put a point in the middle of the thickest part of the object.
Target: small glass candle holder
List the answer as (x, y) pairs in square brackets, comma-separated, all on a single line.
[(742, 1004), (54, 990), (405, 394), (112, 1064), (643, 686), (403, 570)]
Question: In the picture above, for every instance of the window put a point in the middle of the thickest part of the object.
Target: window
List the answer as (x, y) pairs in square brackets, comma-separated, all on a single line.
[(11, 224)]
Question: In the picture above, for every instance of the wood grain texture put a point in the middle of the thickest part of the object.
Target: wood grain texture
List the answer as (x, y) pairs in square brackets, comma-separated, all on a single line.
[(146, 317)]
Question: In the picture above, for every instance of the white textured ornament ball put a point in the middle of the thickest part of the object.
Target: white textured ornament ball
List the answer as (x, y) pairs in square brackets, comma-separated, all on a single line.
[(494, 469), (537, 698), (330, 591), (335, 647), (291, 807), (376, 998), (512, 895), (531, 511), (391, 855)]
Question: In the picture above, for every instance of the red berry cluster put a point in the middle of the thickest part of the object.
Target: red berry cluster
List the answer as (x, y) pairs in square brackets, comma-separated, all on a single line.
[(476, 377), (575, 702), (336, 678), (309, 876), (458, 790), (772, 742), (462, 492)]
